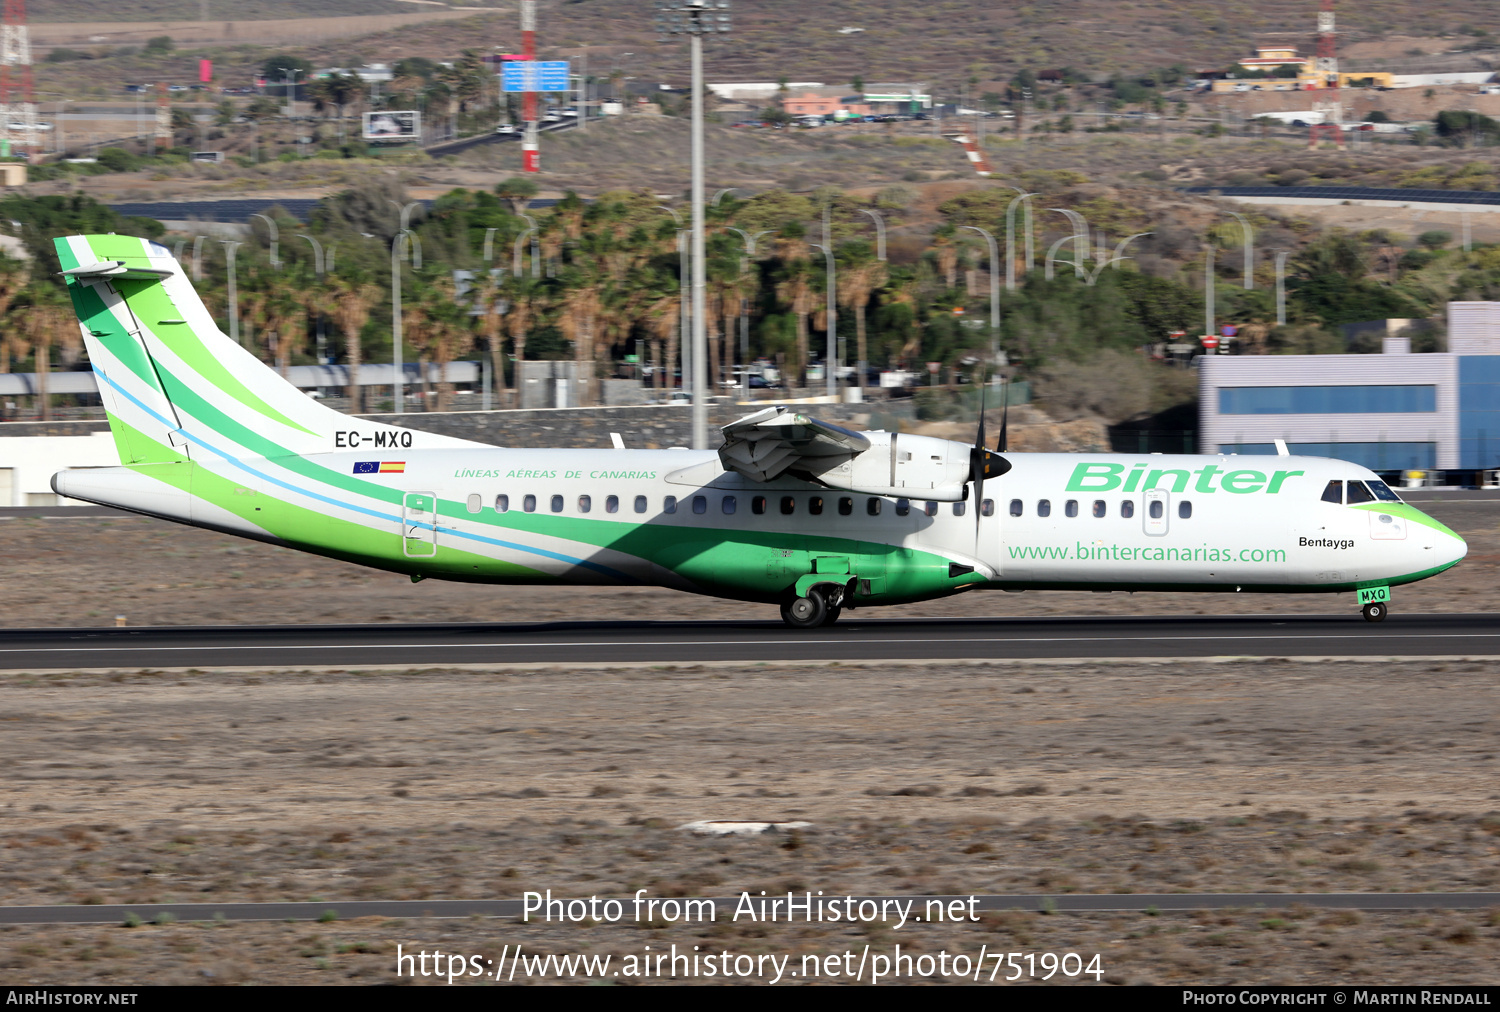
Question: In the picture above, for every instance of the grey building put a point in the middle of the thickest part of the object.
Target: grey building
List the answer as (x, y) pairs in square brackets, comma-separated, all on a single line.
[(1389, 411)]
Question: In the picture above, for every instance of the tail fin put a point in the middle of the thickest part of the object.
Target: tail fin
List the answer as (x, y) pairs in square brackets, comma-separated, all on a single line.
[(174, 386)]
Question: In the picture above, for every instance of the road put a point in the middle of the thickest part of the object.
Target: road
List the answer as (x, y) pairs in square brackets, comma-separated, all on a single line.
[(852, 641)]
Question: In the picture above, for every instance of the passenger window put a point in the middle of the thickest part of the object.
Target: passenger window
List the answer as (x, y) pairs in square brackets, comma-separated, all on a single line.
[(815, 505), (1016, 508), (1334, 493), (640, 504), (1358, 493), (1071, 508), (502, 503), (903, 507), (669, 504), (758, 505), (788, 505), (931, 508), (987, 508), (557, 504), (1099, 508), (959, 508), (700, 504), (727, 504), (1185, 510), (846, 506), (611, 504), (529, 504), (1156, 510), (1044, 507), (476, 503), (872, 506), (1127, 508), (585, 503)]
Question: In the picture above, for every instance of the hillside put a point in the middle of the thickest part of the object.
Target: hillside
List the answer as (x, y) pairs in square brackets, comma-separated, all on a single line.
[(955, 45)]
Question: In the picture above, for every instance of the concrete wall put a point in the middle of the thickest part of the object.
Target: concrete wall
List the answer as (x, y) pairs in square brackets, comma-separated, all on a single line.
[(28, 464)]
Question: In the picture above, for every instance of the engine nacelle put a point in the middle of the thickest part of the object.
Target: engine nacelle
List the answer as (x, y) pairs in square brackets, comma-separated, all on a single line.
[(899, 464)]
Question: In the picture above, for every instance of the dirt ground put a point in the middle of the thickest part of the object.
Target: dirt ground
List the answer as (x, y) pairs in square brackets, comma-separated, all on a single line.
[(85, 572), (947, 779), (205, 786)]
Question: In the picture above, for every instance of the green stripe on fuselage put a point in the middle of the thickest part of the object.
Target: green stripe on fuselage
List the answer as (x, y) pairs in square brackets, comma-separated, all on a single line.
[(1405, 512)]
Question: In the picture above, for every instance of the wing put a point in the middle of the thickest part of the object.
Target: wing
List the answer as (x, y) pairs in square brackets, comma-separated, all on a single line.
[(776, 442), (769, 443)]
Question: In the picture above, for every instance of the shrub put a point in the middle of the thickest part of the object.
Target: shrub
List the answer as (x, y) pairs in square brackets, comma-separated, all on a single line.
[(159, 45), (1435, 239)]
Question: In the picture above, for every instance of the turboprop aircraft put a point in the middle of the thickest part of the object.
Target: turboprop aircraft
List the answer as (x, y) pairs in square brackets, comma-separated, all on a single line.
[(790, 510)]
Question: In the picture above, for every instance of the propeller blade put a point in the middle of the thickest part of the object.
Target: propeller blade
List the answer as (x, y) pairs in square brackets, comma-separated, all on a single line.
[(977, 469), (1004, 412)]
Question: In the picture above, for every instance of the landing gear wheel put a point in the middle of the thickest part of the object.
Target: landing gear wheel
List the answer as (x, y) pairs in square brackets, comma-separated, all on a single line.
[(833, 615), (1375, 611), (805, 612)]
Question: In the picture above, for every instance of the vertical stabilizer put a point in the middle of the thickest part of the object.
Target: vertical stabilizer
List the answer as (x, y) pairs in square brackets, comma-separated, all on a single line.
[(175, 387)]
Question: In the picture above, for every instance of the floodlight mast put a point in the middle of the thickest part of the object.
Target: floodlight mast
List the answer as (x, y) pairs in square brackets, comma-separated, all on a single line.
[(695, 19)]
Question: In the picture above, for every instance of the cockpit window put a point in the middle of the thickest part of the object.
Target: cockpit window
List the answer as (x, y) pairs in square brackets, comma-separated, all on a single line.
[(1383, 491), (1334, 493), (1358, 493)]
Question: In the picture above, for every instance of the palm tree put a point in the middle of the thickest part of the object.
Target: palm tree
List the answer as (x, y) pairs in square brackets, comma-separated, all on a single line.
[(349, 303), (14, 276), (492, 309), (796, 290), (859, 277), (524, 292), (46, 322)]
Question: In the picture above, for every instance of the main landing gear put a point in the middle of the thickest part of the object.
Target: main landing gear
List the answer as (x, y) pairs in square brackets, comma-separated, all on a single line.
[(1375, 611), (821, 606)]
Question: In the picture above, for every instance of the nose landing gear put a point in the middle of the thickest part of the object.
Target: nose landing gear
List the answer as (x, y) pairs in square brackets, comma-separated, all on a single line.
[(1374, 602)]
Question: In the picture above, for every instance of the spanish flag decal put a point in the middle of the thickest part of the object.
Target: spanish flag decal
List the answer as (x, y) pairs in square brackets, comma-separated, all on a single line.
[(380, 467)]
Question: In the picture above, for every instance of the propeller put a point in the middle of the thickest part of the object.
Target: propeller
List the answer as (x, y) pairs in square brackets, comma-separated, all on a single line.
[(986, 464)]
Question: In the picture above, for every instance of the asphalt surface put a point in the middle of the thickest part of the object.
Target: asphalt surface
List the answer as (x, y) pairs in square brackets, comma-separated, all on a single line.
[(851, 641), (1063, 903)]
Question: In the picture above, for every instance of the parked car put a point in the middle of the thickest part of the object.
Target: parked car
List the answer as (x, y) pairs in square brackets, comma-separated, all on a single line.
[(505, 128)]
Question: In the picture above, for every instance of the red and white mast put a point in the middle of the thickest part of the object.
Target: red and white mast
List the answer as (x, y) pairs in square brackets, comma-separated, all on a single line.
[(530, 154), (17, 98), (1326, 66)]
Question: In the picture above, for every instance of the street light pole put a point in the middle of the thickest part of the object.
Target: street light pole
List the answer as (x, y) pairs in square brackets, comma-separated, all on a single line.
[(234, 301), (275, 239), (994, 292), (695, 18), (1010, 238), (398, 253), (831, 357), (1208, 292), (879, 232), (1281, 256), (1249, 236)]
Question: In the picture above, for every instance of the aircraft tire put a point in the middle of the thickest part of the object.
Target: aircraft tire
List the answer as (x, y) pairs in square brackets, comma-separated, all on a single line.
[(832, 615), (1375, 611), (805, 612)]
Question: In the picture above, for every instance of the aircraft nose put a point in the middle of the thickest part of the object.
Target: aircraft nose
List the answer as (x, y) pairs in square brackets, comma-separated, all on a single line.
[(1455, 549)]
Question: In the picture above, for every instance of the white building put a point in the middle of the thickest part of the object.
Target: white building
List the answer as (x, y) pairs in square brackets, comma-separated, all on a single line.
[(1391, 411)]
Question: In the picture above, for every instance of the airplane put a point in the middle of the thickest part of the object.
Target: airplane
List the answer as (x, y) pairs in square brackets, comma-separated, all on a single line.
[(791, 510)]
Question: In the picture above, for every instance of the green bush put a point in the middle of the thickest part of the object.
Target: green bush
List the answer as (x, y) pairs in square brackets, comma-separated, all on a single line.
[(117, 160), (158, 45), (1435, 239)]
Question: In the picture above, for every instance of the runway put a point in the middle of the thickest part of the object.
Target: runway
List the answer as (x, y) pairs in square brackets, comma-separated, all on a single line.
[(857, 640)]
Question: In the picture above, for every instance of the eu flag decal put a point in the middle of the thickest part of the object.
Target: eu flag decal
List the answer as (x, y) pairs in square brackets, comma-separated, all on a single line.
[(367, 467)]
